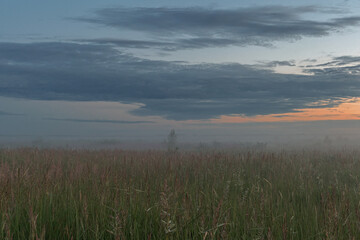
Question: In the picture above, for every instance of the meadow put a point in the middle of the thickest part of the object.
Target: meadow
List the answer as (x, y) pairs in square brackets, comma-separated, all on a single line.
[(114, 194)]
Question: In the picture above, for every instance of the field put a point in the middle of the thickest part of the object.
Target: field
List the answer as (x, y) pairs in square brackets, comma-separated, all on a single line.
[(113, 194)]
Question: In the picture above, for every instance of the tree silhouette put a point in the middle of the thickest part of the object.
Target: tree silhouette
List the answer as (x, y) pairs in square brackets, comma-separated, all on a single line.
[(172, 141)]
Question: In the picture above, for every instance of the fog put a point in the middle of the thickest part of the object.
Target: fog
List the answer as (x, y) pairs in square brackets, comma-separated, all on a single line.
[(229, 139)]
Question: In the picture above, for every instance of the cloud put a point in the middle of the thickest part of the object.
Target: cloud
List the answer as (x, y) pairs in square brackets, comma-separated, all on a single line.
[(77, 120), (342, 64), (128, 43), (185, 28), (278, 63), (338, 61), (180, 91), (173, 44)]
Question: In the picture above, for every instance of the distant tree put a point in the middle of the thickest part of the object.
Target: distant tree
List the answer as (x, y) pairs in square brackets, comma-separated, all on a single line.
[(202, 147), (172, 141), (216, 145), (327, 141)]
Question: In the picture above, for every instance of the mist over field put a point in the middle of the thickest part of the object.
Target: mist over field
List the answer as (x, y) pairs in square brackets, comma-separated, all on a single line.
[(324, 144), (291, 135)]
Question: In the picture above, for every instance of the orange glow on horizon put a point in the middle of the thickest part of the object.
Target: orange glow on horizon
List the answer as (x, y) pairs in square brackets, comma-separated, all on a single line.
[(349, 110)]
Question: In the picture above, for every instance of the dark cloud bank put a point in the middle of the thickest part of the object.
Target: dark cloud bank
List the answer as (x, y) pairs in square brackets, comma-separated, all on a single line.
[(188, 28), (72, 71)]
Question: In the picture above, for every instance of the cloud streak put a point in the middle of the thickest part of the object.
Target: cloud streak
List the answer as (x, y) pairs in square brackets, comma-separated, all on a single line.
[(3, 113), (77, 120)]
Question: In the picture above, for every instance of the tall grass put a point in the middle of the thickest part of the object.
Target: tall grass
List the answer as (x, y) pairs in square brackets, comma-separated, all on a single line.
[(65, 194)]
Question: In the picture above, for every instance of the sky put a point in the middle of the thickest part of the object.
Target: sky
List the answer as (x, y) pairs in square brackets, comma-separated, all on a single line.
[(212, 70)]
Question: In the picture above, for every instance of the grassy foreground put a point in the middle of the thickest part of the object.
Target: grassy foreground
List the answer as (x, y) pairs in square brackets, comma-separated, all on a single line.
[(64, 194)]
